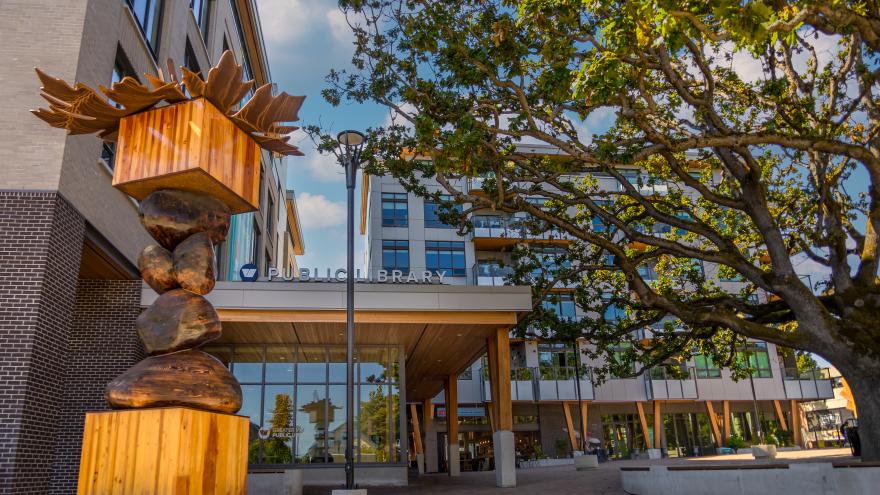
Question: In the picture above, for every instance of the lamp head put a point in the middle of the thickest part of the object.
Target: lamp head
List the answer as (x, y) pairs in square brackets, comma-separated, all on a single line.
[(349, 138)]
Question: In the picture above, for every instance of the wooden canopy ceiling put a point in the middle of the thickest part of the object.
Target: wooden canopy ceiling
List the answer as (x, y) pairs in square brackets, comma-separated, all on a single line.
[(436, 344)]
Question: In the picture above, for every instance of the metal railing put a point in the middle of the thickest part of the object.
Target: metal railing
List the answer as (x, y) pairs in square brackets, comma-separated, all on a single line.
[(496, 226), (660, 384), (807, 384), (544, 383)]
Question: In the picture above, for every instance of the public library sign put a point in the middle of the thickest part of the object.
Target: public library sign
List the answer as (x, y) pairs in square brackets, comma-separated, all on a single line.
[(248, 274)]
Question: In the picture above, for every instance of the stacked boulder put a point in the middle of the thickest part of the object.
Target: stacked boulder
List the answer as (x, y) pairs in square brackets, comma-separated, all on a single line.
[(181, 269)]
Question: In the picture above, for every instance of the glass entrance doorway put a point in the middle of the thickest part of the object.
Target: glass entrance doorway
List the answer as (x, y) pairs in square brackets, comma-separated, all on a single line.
[(623, 436), (687, 435), (474, 451)]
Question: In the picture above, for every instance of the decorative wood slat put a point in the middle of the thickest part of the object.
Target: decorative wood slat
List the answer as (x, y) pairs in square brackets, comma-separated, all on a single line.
[(190, 146), (569, 424), (643, 421), (169, 451), (713, 422)]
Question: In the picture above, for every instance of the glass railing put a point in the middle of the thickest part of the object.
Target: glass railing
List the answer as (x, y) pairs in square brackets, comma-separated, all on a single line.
[(490, 273), (660, 383), (546, 383), (513, 227), (807, 384)]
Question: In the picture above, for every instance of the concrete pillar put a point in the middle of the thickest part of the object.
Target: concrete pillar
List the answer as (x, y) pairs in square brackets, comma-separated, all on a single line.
[(453, 466), (505, 459), (431, 462)]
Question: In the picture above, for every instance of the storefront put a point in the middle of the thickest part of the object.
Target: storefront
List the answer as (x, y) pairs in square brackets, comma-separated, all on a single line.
[(284, 342)]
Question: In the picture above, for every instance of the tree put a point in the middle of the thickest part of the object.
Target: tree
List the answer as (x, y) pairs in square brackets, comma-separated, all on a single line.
[(740, 173)]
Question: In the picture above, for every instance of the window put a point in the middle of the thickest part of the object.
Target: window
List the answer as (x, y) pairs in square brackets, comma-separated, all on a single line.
[(267, 261), (121, 69), (394, 210), (445, 256), (189, 59), (256, 242), (563, 305), (202, 12), (755, 356), (248, 74), (270, 214), (432, 213), (646, 272), (705, 367), (613, 312), (556, 361), (148, 14), (395, 255)]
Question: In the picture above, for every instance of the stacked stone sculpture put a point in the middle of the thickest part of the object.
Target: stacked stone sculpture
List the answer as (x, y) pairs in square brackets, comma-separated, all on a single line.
[(181, 270)]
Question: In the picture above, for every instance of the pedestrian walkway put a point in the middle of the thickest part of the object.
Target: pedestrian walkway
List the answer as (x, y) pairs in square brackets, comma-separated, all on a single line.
[(563, 480)]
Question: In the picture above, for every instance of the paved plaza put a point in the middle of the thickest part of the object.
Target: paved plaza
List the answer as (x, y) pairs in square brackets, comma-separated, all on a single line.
[(565, 479)]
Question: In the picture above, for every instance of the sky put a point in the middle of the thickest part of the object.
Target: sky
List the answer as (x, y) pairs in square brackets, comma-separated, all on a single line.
[(304, 40)]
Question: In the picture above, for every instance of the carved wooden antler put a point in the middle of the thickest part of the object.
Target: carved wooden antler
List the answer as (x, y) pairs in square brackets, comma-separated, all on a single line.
[(81, 110)]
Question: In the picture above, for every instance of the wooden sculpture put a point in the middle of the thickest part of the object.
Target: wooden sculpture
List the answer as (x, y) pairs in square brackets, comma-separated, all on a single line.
[(192, 161)]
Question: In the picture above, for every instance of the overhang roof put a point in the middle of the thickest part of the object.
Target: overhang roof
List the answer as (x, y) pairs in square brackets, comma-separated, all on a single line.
[(442, 328)]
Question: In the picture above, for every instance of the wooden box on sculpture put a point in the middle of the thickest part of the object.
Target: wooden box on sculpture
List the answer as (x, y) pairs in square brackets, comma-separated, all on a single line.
[(190, 146), (168, 451)]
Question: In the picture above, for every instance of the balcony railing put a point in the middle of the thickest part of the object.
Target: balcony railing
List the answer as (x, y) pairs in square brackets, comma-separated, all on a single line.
[(490, 273), (495, 226), (808, 384), (545, 383), (659, 384)]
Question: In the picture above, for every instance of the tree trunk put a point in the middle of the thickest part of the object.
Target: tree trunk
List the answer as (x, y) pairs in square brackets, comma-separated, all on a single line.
[(863, 378)]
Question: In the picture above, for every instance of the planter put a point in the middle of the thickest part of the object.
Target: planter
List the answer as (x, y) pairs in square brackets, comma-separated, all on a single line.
[(764, 451), (586, 462), (655, 454), (191, 146)]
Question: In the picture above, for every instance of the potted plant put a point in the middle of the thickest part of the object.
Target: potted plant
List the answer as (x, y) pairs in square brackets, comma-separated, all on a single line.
[(736, 442)]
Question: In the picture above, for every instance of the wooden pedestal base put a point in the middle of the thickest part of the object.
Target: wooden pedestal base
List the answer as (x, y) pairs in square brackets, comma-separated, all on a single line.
[(172, 450)]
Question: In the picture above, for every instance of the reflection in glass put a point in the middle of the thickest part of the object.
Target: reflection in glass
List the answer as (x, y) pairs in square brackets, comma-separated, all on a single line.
[(373, 423), (277, 431), (248, 365), (279, 364), (337, 365), (372, 362), (312, 367), (336, 424), (395, 430), (250, 407), (311, 422)]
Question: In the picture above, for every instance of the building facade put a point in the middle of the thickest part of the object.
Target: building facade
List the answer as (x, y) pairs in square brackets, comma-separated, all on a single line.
[(69, 242), (553, 389)]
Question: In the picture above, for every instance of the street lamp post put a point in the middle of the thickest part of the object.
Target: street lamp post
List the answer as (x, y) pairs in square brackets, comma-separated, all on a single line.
[(350, 143)]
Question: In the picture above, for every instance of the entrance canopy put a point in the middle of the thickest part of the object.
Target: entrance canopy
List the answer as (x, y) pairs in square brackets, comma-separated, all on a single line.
[(441, 329)]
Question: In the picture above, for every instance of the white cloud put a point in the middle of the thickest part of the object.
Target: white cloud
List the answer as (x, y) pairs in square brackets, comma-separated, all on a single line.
[(339, 27), (316, 211), (322, 167)]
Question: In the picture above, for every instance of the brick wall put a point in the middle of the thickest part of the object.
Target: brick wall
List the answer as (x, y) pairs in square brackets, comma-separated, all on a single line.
[(103, 344), (41, 238)]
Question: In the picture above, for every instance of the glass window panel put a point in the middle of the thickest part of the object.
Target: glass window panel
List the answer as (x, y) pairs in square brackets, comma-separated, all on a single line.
[(250, 407), (311, 366), (311, 422), (373, 423), (279, 364), (278, 411), (372, 364), (248, 365), (337, 365), (336, 424), (395, 365), (395, 422)]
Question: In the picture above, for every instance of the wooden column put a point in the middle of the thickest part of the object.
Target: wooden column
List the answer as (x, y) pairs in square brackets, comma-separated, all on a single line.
[(796, 424), (584, 421), (658, 425), (713, 422), (725, 409), (572, 438), (417, 431), (452, 424), (643, 420), (499, 361), (780, 415)]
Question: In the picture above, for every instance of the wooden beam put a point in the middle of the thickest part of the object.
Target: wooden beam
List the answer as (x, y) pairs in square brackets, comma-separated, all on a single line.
[(490, 409), (572, 438), (361, 316), (502, 400), (725, 409), (713, 422), (584, 421), (658, 425), (417, 431), (796, 424), (643, 420), (780, 416)]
